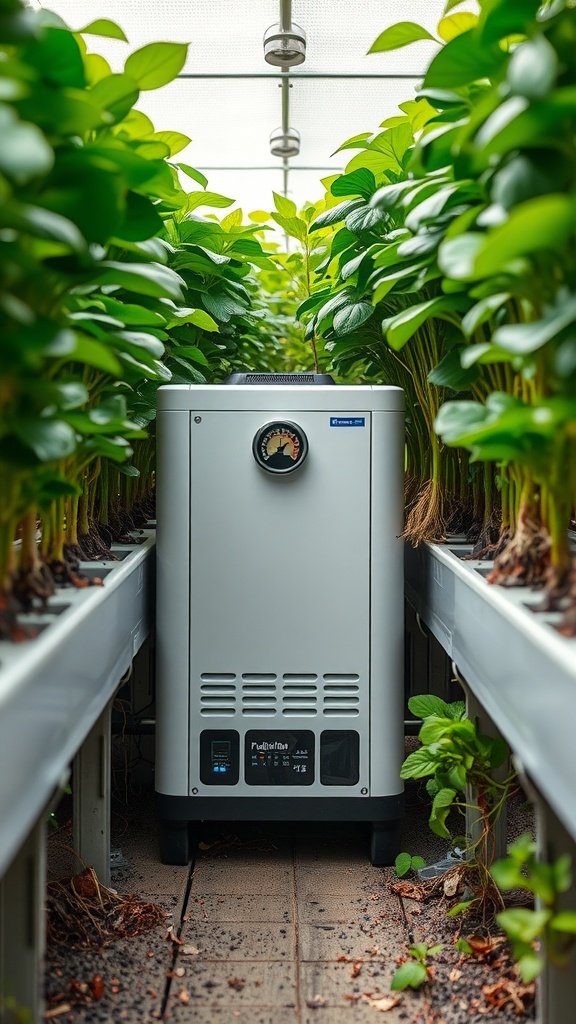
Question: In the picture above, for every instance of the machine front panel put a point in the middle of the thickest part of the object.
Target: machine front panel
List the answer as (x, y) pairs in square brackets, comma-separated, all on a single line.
[(280, 595)]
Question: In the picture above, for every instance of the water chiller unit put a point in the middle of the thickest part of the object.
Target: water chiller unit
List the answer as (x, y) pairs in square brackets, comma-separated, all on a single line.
[(280, 606)]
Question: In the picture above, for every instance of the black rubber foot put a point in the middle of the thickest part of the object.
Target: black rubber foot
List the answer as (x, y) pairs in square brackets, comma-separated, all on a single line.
[(175, 845), (384, 843)]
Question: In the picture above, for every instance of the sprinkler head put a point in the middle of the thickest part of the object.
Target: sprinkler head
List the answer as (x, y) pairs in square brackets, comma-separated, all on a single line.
[(285, 48), (285, 143)]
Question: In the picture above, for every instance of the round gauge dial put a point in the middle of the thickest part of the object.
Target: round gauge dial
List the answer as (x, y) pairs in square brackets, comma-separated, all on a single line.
[(280, 447)]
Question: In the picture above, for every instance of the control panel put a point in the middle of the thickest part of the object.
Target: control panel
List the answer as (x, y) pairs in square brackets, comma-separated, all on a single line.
[(274, 758), (219, 757)]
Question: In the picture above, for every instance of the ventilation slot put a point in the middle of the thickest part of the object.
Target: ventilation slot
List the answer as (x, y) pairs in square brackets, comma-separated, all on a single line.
[(300, 695), (341, 695), (217, 694), (259, 694)]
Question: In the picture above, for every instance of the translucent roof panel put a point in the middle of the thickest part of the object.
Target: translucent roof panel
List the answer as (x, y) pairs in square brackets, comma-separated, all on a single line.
[(228, 100), (226, 36)]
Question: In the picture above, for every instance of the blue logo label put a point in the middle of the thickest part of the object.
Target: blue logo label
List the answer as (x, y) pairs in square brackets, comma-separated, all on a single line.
[(347, 421)]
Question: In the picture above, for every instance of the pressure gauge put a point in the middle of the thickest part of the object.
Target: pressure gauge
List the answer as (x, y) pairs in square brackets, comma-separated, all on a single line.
[(280, 447)]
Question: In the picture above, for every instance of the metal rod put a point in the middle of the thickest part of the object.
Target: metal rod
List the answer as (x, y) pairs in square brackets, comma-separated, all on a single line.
[(285, 168), (266, 167), (285, 15), (302, 76), (285, 105)]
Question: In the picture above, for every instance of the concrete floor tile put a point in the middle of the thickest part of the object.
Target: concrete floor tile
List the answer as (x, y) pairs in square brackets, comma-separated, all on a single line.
[(235, 907), (261, 986), (334, 983), (240, 942), (324, 878), (228, 1015), (140, 869), (247, 875), (379, 906), (365, 941)]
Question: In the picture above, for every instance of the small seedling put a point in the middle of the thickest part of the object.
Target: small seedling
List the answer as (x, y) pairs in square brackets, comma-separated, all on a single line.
[(405, 863), (415, 971), (554, 929)]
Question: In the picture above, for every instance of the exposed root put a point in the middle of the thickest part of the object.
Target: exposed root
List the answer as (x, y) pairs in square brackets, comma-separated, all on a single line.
[(85, 914), (487, 542), (10, 628), (425, 520), (525, 559), (94, 548), (66, 574), (33, 586)]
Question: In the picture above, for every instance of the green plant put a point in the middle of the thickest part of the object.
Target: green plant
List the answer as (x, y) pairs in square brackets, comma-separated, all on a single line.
[(415, 972), (456, 263), (97, 306), (405, 863), (549, 927), (460, 765)]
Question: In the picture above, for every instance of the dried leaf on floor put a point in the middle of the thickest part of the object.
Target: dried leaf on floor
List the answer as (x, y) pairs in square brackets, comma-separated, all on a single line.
[(455, 974), (97, 986), (506, 992), (184, 996), (411, 890), (188, 950), (357, 967), (82, 913), (237, 984), (383, 1004)]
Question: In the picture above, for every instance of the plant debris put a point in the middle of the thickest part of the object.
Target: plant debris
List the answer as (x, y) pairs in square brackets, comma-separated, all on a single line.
[(85, 914)]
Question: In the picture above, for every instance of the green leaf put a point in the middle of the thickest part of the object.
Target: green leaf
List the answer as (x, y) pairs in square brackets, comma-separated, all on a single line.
[(49, 439), (463, 946), (25, 153), (482, 311), (156, 64), (103, 27), (507, 875), (418, 862), (194, 174), (523, 925), (359, 183), (449, 372), (441, 806), (562, 873), (93, 353), (117, 94), (196, 199), (400, 328), (524, 338), (175, 141), (401, 34), (417, 765), (453, 25), (141, 219), (425, 704), (564, 921), (146, 278), (351, 317), (461, 908), (403, 864), (285, 207), (533, 68), (462, 61), (530, 965), (409, 975), (335, 214), (545, 223)]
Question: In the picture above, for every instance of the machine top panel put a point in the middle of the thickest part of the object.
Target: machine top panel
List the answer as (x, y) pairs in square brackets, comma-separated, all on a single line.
[(255, 398)]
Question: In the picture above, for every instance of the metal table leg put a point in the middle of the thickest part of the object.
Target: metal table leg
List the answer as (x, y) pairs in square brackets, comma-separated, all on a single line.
[(22, 932), (91, 797)]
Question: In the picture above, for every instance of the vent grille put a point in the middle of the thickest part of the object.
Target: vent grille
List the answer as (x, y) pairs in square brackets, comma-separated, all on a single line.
[(279, 378), (341, 694), (259, 694), (218, 694), (300, 694)]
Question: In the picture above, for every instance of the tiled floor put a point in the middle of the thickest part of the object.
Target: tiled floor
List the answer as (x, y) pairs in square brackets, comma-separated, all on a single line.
[(274, 924), (271, 929)]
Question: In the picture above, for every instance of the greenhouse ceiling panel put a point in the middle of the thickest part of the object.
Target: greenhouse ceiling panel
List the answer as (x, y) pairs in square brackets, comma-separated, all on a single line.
[(228, 99)]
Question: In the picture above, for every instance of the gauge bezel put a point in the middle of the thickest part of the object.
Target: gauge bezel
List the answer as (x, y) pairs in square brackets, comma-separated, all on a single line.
[(280, 425)]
